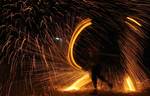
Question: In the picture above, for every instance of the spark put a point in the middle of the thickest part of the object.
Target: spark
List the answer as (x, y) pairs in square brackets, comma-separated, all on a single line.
[(129, 82), (80, 27), (84, 80), (128, 85), (132, 50), (133, 20), (132, 26), (32, 63)]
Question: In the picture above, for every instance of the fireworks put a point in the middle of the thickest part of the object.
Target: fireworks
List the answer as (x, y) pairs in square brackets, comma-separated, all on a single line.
[(40, 44)]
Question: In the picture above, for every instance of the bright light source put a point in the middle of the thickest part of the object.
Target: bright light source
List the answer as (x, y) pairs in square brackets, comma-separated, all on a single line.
[(80, 27), (84, 80), (128, 85), (57, 38)]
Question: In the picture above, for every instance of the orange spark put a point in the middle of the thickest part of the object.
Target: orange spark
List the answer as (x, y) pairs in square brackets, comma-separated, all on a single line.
[(80, 27), (133, 20), (84, 80), (129, 85)]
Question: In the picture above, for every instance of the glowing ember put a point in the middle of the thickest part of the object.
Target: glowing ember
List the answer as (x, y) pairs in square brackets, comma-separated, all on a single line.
[(128, 85), (79, 83)]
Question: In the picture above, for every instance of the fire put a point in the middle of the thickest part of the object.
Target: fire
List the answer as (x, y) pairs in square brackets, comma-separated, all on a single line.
[(129, 85), (84, 80)]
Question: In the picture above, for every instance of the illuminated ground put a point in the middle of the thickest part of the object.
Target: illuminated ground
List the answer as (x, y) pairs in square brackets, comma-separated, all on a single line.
[(102, 93)]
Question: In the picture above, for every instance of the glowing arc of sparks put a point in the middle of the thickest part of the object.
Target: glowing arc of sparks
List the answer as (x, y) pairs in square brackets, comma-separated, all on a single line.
[(80, 27)]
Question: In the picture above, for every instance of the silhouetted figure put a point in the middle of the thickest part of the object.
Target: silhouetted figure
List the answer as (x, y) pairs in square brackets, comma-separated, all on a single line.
[(95, 75), (95, 68)]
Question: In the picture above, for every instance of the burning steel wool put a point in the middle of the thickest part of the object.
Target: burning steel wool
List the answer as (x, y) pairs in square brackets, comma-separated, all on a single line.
[(44, 45), (128, 83)]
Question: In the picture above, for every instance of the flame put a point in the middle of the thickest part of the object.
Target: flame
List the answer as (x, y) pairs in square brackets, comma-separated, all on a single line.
[(81, 26), (129, 85), (84, 80)]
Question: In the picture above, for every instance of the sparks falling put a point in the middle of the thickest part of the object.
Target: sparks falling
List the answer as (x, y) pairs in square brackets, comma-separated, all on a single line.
[(78, 84), (38, 43)]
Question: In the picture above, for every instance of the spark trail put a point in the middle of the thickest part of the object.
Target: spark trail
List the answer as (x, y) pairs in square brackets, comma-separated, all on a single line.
[(83, 24), (35, 36)]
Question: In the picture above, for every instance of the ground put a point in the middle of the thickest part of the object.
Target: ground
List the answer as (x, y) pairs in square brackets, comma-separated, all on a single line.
[(107, 93)]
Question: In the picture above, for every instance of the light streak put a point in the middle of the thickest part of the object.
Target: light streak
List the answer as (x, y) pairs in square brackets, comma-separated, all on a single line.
[(129, 85), (84, 80), (133, 20), (80, 27), (28, 48), (132, 26), (132, 50)]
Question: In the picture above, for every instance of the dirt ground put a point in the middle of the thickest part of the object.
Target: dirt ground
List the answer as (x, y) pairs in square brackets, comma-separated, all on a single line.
[(108, 93)]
